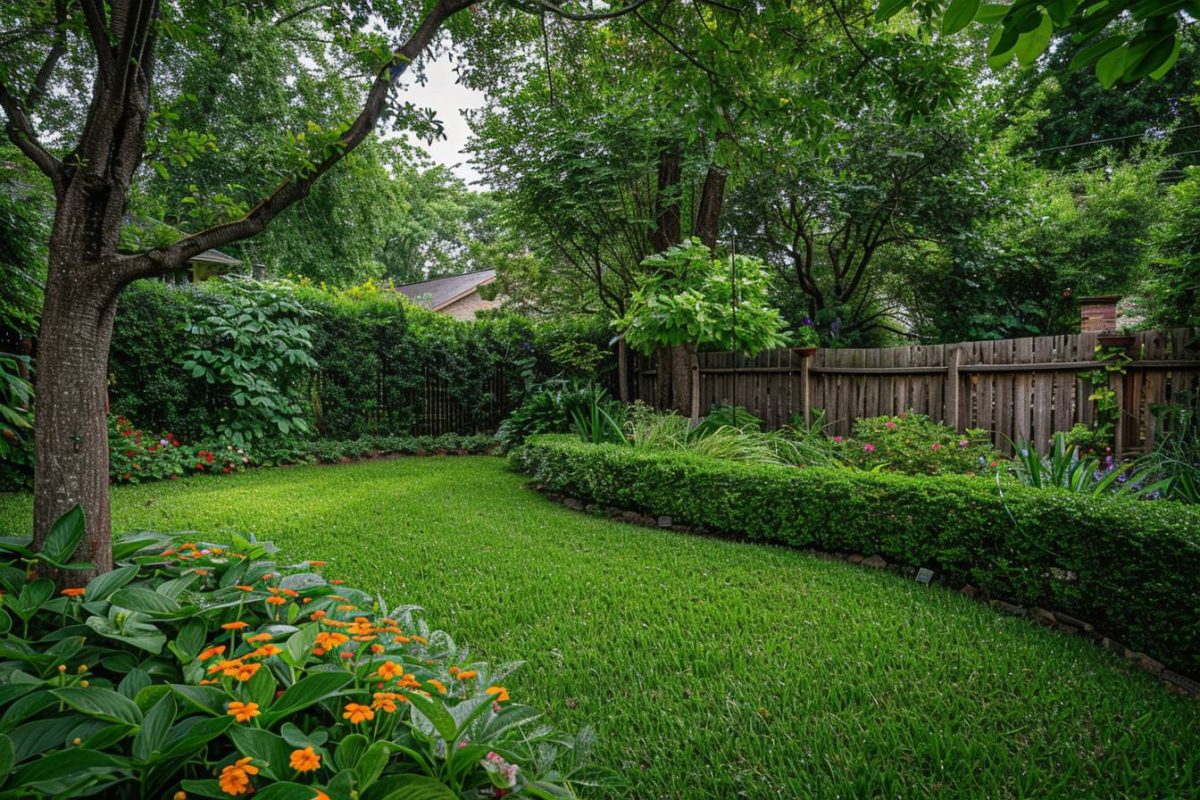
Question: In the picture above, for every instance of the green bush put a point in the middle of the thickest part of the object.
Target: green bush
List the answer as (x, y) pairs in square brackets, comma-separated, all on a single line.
[(1130, 567), (200, 670), (374, 351), (913, 444)]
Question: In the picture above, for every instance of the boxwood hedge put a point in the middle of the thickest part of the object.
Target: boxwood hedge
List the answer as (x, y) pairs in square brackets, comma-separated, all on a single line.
[(1131, 568)]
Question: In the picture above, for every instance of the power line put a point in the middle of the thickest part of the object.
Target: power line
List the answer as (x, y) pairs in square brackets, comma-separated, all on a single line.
[(1141, 135)]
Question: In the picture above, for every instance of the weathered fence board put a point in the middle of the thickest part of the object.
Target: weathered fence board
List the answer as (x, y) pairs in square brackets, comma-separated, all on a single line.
[(1014, 388)]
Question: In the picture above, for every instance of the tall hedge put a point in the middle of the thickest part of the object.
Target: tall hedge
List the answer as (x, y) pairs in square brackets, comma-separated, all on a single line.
[(1132, 568), (373, 348)]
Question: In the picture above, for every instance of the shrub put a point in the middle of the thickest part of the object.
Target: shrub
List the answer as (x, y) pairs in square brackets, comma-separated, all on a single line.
[(135, 456), (215, 671), (915, 445), (1131, 568)]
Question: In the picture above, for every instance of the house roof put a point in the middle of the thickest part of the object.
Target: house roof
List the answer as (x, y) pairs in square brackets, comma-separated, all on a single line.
[(444, 291), (217, 257)]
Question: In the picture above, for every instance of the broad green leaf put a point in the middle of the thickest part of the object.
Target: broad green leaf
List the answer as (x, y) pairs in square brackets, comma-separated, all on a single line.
[(146, 601), (103, 585), (66, 762), (350, 750), (286, 791), (305, 692), (1111, 66), (204, 698), (192, 733), (890, 8), (1088, 55), (959, 15), (6, 755), (300, 643), (371, 764), (155, 726), (269, 750), (65, 536), (1033, 43), (41, 735), (433, 710), (99, 702), (419, 787)]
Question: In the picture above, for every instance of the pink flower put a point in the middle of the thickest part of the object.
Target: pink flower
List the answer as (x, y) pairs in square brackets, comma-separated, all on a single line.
[(891, 426), (837, 439), (868, 448), (936, 446), (963, 443)]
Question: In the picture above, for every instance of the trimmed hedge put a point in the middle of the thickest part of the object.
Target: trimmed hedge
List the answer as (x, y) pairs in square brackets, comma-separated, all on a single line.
[(1131, 568)]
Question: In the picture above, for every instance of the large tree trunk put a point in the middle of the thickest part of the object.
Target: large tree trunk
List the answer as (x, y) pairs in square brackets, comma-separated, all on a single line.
[(71, 435)]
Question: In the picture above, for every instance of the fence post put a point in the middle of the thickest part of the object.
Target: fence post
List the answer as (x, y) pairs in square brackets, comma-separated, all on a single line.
[(1116, 381), (953, 357), (805, 405)]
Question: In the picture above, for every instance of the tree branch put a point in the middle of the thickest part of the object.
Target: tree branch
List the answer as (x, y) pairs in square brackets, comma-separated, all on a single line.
[(558, 10), (164, 259), (20, 132)]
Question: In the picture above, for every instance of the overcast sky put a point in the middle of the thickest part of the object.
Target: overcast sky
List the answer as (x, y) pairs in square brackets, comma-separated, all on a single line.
[(448, 98)]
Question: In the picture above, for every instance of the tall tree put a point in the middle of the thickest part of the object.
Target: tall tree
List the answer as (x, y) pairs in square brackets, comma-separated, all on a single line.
[(105, 57)]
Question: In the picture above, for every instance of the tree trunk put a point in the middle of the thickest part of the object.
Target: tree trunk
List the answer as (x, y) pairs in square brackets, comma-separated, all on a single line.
[(71, 435), (681, 379), (623, 370), (694, 383)]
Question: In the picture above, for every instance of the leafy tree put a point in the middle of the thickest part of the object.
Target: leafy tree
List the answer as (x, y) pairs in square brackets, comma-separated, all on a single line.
[(106, 63), (1172, 289), (688, 298)]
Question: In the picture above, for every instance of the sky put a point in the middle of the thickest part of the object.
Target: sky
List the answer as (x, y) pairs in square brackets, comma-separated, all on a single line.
[(448, 99)]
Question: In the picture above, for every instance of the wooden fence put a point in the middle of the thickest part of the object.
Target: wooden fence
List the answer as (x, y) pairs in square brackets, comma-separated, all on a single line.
[(1015, 388)]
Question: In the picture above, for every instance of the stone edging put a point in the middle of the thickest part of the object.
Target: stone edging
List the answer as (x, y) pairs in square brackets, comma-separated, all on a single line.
[(1173, 681)]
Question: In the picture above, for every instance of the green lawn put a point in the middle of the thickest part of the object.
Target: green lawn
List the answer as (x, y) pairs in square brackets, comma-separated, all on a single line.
[(712, 668)]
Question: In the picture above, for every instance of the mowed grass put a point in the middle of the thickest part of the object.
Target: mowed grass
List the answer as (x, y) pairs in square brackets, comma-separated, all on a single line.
[(712, 669)]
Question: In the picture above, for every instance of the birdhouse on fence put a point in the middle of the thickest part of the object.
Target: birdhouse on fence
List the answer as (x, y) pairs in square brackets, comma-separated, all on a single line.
[(1098, 314)]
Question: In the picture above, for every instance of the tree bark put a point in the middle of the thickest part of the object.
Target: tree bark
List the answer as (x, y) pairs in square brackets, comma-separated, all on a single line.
[(71, 435)]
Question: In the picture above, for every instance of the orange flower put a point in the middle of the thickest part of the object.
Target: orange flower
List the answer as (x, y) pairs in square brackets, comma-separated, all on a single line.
[(276, 601), (290, 592), (360, 627), (235, 626), (305, 760), (320, 795), (212, 651), (347, 607), (225, 665), (242, 712), (420, 639), (259, 637), (331, 641), (235, 778), (245, 672), (208, 681), (266, 651), (441, 687), (317, 614), (498, 692), (201, 572), (337, 582), (467, 675), (357, 713), (245, 588), (386, 701), (389, 669), (74, 591), (377, 648), (454, 671), (401, 640), (317, 563)]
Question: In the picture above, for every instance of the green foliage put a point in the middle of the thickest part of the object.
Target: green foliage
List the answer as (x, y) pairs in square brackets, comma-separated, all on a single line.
[(598, 418), (559, 405), (1023, 30), (254, 351), (1174, 461), (687, 296), (16, 422), (1066, 468), (190, 656), (373, 349), (135, 455), (1126, 566), (25, 205), (913, 444), (1172, 289)]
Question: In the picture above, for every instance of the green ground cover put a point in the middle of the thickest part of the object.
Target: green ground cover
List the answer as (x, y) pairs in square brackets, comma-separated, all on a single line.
[(712, 668)]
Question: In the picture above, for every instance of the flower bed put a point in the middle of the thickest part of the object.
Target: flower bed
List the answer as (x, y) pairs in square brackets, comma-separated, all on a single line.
[(200, 670), (1132, 569)]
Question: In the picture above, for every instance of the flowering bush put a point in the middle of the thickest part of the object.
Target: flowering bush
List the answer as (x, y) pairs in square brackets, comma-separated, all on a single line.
[(915, 445), (135, 456), (196, 670)]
